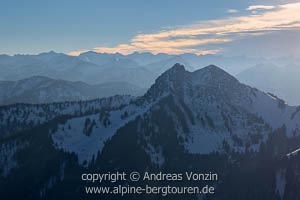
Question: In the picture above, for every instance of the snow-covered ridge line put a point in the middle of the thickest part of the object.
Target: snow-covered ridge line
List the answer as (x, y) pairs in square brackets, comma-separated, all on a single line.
[(18, 117), (293, 153), (237, 113), (224, 86), (276, 112), (70, 103)]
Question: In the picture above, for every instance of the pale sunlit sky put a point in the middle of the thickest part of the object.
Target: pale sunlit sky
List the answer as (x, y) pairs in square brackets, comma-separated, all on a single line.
[(268, 28)]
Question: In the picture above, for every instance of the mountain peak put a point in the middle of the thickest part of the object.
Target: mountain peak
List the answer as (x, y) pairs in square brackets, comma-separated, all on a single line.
[(50, 55), (213, 75), (172, 74), (176, 79), (177, 67), (170, 80), (212, 69)]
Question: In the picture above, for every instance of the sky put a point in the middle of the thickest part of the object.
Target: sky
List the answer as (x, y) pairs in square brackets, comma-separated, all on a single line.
[(269, 28)]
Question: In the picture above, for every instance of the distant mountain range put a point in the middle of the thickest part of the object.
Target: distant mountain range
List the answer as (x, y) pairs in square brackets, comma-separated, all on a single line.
[(39, 89), (280, 81), (198, 121), (139, 70), (61, 66)]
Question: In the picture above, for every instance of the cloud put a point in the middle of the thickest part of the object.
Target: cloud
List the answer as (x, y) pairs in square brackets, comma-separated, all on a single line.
[(206, 37), (77, 53), (260, 7), (232, 11)]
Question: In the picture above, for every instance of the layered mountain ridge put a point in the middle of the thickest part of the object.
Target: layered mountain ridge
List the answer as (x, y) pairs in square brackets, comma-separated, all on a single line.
[(40, 89), (141, 69), (185, 120)]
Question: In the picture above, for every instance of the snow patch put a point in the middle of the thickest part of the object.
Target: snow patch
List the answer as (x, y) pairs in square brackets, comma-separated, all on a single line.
[(71, 138)]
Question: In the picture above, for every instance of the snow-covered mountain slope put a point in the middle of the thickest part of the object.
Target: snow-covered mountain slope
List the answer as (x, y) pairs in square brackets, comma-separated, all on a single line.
[(213, 85), (86, 136), (18, 117), (197, 121), (208, 107), (217, 108), (39, 89)]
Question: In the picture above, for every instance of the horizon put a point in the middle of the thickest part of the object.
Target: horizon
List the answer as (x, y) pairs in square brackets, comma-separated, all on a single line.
[(155, 54)]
